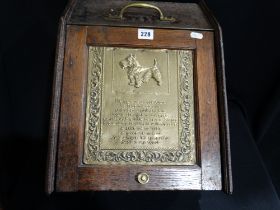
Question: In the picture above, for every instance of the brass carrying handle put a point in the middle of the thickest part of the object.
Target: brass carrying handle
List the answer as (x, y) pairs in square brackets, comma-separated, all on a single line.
[(144, 5)]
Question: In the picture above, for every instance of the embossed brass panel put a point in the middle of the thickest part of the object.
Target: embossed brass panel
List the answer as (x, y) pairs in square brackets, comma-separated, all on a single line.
[(140, 107)]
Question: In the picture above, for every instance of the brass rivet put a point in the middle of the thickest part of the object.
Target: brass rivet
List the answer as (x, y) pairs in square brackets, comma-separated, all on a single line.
[(143, 178)]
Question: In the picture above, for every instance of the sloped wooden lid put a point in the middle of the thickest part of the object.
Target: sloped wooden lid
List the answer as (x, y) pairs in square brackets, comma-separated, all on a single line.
[(188, 16)]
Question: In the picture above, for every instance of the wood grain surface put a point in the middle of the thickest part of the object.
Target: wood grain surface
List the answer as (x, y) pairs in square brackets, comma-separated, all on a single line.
[(222, 101), (73, 175), (56, 97), (72, 109), (207, 114), (188, 16), (127, 37)]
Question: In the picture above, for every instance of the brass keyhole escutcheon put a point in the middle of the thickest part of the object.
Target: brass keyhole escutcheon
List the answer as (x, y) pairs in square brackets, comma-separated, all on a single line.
[(143, 178)]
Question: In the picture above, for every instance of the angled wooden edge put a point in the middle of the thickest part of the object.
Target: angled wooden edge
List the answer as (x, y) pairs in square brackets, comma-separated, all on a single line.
[(56, 95), (222, 101)]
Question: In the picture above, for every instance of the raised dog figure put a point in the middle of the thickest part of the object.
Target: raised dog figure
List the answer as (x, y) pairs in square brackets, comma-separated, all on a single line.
[(138, 74)]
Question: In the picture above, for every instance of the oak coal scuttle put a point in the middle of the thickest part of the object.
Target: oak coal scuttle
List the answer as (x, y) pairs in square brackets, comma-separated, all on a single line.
[(139, 99)]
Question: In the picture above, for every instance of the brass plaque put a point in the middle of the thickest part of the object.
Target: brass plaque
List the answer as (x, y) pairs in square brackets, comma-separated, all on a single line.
[(140, 107)]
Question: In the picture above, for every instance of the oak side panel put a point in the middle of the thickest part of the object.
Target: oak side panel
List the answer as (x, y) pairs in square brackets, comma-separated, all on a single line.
[(55, 108), (222, 100), (72, 108), (208, 114), (56, 96)]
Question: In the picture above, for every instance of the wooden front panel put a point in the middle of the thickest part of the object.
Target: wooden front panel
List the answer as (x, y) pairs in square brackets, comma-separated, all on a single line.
[(74, 175)]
